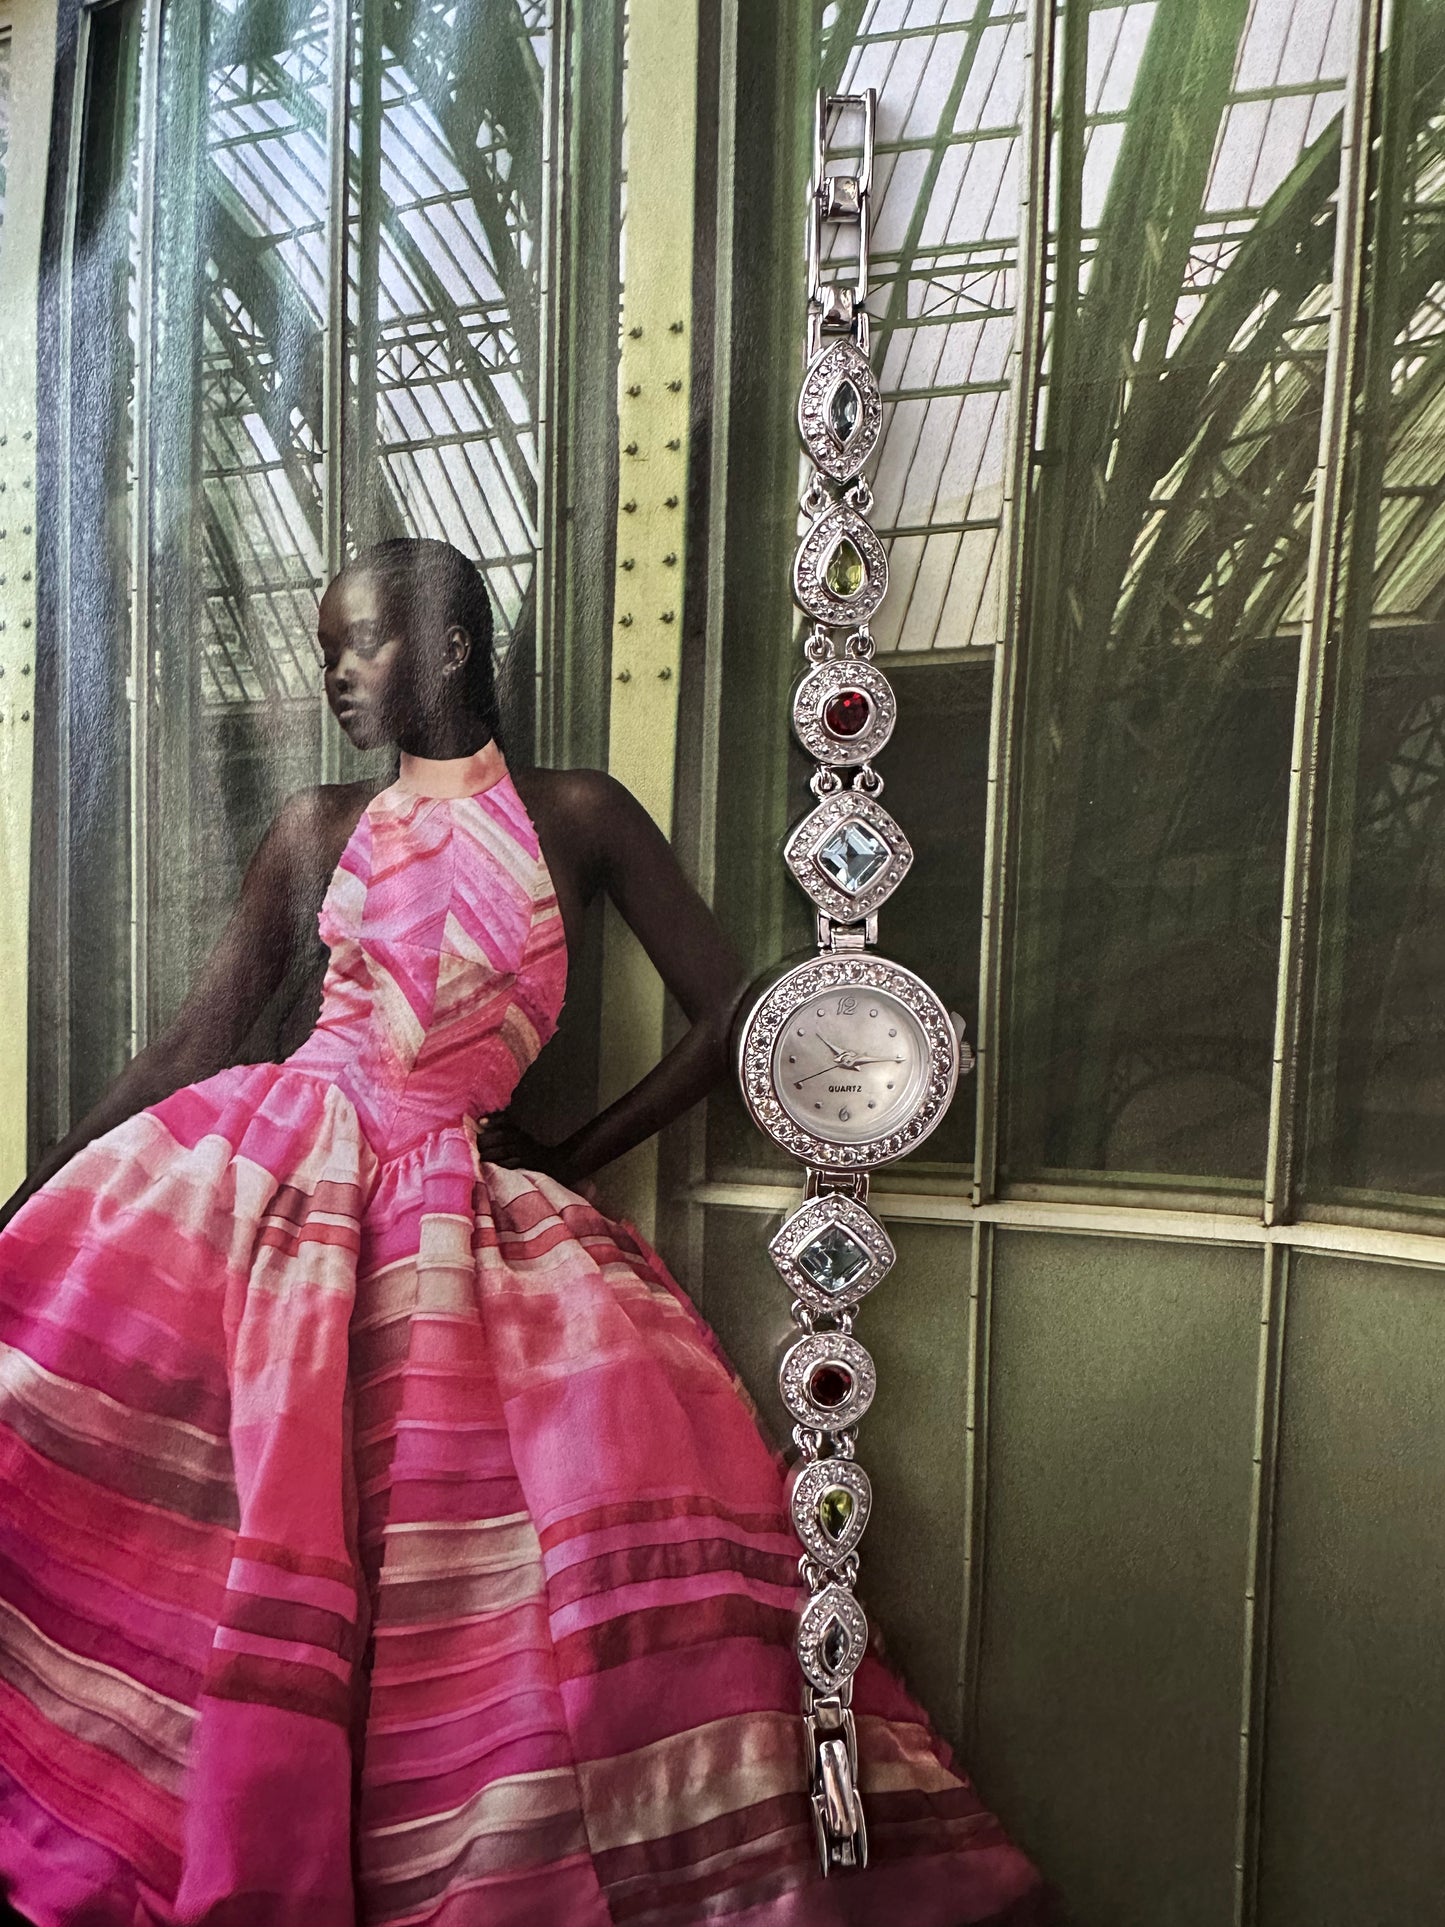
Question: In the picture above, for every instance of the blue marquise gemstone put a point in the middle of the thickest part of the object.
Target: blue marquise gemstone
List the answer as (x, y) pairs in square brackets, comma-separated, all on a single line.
[(852, 856), (843, 412), (834, 1645), (833, 1260)]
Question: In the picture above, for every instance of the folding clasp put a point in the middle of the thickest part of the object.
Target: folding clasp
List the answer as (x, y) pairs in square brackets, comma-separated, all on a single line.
[(835, 306), (832, 1746)]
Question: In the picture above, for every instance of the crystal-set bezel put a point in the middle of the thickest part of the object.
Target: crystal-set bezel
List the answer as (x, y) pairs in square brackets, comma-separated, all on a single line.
[(818, 688), (802, 1359), (801, 850), (811, 1221), (833, 365), (833, 1602), (777, 1007), (810, 589), (811, 1482)]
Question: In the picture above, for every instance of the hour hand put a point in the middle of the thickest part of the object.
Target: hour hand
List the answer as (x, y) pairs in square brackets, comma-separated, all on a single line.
[(832, 1047)]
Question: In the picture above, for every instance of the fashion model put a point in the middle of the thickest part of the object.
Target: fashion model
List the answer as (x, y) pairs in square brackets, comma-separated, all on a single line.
[(383, 1537)]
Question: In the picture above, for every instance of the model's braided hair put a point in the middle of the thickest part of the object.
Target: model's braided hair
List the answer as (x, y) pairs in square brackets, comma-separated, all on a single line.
[(429, 584)]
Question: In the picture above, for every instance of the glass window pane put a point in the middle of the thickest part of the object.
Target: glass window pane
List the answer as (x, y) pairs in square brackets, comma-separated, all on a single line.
[(944, 257), (196, 477), (93, 742), (1191, 264), (1378, 1090), (236, 421), (444, 299)]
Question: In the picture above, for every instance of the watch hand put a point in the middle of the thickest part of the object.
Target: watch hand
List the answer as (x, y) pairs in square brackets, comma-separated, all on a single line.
[(832, 1047), (857, 1061), (828, 1070)]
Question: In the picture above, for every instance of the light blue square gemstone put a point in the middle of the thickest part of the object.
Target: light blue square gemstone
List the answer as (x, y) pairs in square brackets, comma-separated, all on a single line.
[(833, 1260), (852, 856)]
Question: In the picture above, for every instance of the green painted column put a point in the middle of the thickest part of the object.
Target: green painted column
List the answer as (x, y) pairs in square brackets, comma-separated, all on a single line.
[(653, 412), (32, 68)]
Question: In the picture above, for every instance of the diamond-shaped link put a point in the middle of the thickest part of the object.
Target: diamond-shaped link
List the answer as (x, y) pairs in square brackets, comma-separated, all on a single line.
[(849, 856), (831, 1252)]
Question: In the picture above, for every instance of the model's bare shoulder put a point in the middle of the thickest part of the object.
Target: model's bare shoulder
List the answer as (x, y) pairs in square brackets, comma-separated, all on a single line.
[(587, 804), (584, 818), (564, 791), (306, 836)]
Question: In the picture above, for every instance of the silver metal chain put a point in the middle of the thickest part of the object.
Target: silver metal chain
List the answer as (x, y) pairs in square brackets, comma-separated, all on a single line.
[(843, 715)]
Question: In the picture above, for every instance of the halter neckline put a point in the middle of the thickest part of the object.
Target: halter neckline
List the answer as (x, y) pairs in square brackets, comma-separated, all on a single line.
[(431, 776)]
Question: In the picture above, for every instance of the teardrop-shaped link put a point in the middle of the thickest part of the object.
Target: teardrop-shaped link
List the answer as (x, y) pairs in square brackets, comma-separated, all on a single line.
[(841, 572)]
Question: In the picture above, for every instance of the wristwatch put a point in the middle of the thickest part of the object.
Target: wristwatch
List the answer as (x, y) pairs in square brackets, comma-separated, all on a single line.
[(846, 1060)]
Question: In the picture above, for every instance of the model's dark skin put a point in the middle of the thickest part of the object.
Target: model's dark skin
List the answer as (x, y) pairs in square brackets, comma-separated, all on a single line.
[(384, 687)]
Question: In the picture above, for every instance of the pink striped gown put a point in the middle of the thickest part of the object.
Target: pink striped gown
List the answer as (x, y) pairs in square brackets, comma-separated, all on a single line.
[(382, 1536)]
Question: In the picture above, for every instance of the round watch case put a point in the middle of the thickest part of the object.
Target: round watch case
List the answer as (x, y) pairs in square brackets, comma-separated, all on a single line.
[(786, 997)]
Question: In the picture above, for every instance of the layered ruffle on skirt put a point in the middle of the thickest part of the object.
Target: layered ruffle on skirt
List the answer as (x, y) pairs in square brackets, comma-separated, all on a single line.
[(388, 1542)]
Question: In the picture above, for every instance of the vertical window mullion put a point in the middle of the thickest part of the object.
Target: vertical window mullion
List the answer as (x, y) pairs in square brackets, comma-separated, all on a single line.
[(59, 1106), (142, 689), (1024, 408), (333, 473), (1298, 910)]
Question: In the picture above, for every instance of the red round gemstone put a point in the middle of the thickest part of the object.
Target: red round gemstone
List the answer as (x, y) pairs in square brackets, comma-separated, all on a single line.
[(830, 1385), (847, 713)]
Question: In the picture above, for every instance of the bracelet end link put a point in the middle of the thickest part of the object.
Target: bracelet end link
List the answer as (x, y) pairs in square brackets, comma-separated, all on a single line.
[(832, 1743)]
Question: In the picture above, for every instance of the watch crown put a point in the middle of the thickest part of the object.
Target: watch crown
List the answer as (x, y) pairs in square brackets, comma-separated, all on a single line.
[(966, 1058)]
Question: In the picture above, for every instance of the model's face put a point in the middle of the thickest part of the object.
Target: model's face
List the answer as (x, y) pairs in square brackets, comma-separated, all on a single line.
[(370, 668)]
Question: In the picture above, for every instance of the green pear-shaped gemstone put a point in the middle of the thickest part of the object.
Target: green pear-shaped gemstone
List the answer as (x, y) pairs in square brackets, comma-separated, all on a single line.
[(845, 573), (835, 1509), (843, 411), (834, 1644)]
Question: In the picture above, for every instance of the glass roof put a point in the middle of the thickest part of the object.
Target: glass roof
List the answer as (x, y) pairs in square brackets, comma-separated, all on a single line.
[(457, 287), (950, 80), (950, 83), (450, 346)]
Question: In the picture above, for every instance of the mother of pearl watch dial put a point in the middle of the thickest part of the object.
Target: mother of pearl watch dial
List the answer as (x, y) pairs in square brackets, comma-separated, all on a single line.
[(851, 1064), (848, 1061)]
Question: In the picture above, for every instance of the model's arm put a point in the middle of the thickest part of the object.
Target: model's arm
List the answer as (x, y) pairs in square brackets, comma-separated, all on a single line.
[(230, 991), (626, 855)]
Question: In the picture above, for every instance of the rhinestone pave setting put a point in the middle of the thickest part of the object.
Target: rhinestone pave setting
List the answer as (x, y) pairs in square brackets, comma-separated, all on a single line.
[(814, 1251), (830, 1500), (827, 1381), (832, 1638), (829, 696), (825, 412), (777, 1007), (848, 855), (841, 573)]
